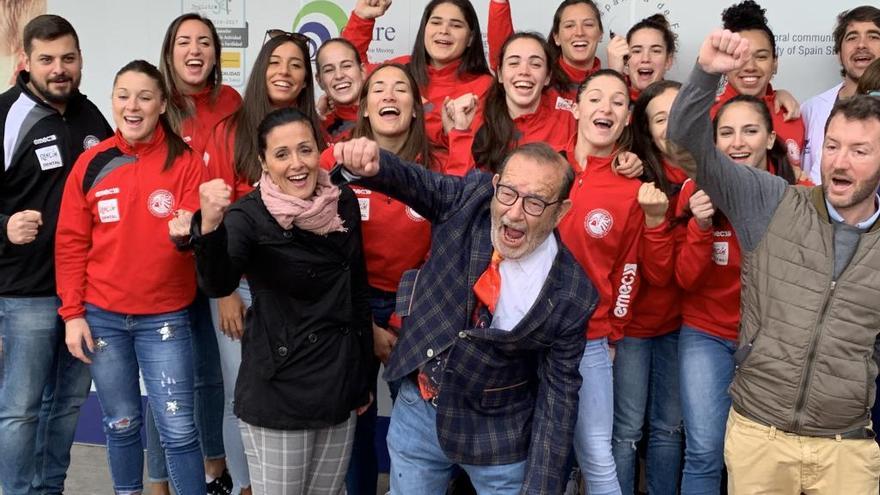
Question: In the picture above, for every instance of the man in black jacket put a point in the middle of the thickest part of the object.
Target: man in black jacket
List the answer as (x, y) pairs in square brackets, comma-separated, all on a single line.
[(46, 124)]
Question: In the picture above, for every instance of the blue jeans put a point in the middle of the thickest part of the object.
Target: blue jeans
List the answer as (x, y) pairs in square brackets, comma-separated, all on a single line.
[(646, 383), (159, 347), (230, 361), (706, 365), (418, 464), (363, 470), (41, 390), (208, 390), (592, 432)]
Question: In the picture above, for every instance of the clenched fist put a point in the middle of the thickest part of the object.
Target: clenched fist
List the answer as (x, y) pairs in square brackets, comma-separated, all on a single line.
[(724, 51), (359, 156), (629, 165), (178, 227), (459, 113), (214, 197), (654, 203), (702, 209), (618, 53), (371, 9), (23, 226)]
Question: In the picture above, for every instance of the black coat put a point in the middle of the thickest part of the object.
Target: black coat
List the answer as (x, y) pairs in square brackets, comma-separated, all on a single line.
[(308, 341)]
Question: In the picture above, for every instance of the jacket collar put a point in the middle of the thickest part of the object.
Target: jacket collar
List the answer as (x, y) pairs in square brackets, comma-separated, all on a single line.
[(73, 103), (157, 140)]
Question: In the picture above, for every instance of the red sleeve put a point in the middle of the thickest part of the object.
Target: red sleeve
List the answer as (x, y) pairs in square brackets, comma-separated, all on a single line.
[(327, 160), (657, 254), (73, 240), (359, 32), (625, 274), (694, 256), (194, 175), (460, 160), (499, 29)]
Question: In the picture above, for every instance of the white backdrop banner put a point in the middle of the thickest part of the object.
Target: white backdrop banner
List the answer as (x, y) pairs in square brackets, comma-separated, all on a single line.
[(113, 32)]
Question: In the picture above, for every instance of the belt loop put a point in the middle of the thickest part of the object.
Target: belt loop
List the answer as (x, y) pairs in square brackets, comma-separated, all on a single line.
[(772, 435), (838, 437)]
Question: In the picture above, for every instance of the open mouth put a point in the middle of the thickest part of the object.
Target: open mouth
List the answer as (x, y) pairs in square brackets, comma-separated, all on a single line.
[(580, 45), (511, 235), (131, 120), (342, 86), (389, 113), (749, 80), (645, 73), (298, 179), (603, 123), (443, 43), (283, 85), (841, 183), (863, 58), (740, 157)]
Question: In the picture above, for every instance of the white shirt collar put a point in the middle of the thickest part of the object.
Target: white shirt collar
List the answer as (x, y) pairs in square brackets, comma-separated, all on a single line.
[(864, 224)]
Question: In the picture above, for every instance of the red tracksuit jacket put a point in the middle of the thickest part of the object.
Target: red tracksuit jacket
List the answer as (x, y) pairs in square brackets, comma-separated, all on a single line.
[(395, 237), (791, 133), (112, 247), (442, 83), (707, 269), (657, 310), (197, 129), (603, 230), (549, 125)]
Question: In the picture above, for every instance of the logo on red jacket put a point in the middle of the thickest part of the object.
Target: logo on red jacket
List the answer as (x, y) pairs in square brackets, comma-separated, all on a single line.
[(161, 203), (598, 223), (794, 151), (415, 217), (624, 292), (90, 141)]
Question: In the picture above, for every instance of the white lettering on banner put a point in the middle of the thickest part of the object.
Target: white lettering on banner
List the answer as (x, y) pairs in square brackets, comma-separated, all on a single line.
[(624, 292)]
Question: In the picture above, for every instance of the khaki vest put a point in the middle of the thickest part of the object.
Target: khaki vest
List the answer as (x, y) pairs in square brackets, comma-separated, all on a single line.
[(811, 369)]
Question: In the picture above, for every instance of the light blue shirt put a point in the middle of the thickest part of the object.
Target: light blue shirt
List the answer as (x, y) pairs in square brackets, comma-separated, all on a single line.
[(864, 224)]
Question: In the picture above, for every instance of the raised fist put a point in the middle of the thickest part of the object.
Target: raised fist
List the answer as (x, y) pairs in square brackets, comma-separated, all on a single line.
[(654, 203), (371, 9), (214, 197), (359, 156), (724, 51)]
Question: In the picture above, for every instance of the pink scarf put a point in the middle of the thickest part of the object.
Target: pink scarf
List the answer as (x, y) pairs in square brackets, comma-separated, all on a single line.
[(318, 214)]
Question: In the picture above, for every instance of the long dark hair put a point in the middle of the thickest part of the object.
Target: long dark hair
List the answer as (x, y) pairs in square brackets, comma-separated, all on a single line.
[(417, 147), (643, 144), (176, 145), (625, 140), (179, 106), (498, 133), (473, 60), (556, 51), (777, 154), (256, 105)]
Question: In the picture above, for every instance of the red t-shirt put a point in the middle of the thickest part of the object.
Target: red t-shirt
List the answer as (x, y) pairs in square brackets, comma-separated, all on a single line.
[(112, 247)]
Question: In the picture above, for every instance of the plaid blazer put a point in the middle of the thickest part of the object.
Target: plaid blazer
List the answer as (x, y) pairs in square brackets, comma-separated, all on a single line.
[(505, 396)]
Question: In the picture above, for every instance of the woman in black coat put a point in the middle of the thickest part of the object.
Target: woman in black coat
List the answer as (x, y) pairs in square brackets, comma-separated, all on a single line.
[(307, 343)]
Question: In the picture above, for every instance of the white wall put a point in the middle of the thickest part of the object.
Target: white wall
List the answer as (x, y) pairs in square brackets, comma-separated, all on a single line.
[(114, 32)]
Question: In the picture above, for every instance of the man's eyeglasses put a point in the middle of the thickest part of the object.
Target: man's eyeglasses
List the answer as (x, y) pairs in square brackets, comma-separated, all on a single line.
[(296, 37), (532, 205)]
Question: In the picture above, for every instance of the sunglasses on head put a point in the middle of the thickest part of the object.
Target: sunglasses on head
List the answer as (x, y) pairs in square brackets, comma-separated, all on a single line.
[(296, 37)]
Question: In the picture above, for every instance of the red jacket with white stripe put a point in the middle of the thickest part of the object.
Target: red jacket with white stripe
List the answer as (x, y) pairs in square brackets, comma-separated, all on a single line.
[(112, 247), (603, 230), (338, 124)]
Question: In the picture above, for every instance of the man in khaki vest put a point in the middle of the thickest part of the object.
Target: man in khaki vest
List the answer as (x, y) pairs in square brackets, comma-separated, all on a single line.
[(807, 357)]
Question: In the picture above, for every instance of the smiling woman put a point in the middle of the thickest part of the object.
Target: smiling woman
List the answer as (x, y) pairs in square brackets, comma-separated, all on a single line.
[(118, 202), (301, 337)]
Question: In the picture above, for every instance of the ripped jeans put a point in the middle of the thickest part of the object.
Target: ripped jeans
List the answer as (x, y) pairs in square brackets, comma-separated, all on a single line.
[(159, 347), (646, 390)]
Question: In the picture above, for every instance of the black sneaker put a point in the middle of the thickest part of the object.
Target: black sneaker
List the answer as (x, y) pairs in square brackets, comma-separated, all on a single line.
[(221, 485)]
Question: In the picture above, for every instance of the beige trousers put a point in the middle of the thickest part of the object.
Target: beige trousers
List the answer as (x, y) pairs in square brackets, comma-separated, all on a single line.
[(764, 460)]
